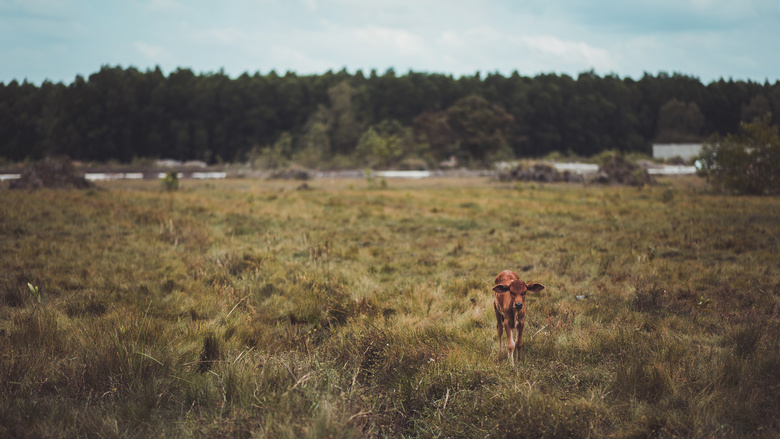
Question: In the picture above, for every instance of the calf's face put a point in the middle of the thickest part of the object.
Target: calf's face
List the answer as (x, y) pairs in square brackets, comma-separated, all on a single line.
[(517, 291)]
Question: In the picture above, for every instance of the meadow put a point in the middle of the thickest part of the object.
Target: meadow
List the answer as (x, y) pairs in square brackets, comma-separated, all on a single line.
[(252, 308)]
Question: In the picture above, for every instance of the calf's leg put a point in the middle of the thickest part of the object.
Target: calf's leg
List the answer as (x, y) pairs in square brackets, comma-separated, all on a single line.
[(510, 344), (519, 343), (499, 328)]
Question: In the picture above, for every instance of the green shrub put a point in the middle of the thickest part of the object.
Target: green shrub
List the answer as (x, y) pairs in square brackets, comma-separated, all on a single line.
[(171, 181), (746, 163)]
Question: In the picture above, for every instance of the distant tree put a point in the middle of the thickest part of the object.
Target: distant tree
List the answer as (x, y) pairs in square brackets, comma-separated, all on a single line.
[(748, 162), (481, 127), (275, 156), (386, 144), (377, 150), (547, 98), (314, 140), (774, 99), (757, 107), (345, 127), (601, 114), (434, 129), (472, 129), (679, 122), (403, 134), (722, 106), (121, 114), (26, 125)]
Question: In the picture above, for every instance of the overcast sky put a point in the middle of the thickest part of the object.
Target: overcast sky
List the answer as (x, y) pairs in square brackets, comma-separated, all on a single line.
[(709, 39)]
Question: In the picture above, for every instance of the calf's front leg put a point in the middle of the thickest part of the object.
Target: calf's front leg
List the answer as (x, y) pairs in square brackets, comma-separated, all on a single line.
[(519, 343), (510, 344), (499, 329)]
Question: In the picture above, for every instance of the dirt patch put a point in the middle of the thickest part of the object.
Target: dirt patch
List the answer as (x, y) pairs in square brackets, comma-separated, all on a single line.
[(56, 172), (542, 173), (617, 170), (614, 169), (291, 174)]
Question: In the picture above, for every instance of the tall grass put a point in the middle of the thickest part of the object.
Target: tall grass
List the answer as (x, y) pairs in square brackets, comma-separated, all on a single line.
[(249, 308)]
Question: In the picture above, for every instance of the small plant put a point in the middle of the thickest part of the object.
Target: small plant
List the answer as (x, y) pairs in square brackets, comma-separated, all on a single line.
[(171, 181), (700, 306), (34, 292), (651, 252), (667, 196), (375, 181)]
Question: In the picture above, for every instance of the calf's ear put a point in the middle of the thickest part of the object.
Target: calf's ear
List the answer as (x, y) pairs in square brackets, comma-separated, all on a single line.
[(535, 287), (500, 288)]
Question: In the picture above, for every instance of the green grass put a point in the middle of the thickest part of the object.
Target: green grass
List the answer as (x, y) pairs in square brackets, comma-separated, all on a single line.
[(249, 308)]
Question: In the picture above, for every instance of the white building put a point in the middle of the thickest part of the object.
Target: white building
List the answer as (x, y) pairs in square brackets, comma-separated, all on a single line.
[(686, 151)]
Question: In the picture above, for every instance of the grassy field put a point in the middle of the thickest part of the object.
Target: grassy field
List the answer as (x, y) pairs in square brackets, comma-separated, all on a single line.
[(251, 308)]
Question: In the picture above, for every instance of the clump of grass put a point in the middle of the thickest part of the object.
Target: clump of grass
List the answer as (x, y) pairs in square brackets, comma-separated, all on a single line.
[(209, 354), (90, 306), (700, 305), (643, 381), (14, 297), (648, 297)]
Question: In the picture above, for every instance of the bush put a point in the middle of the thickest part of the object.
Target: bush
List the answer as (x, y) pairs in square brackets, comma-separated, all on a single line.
[(615, 168), (171, 181), (746, 163), (52, 172), (276, 156)]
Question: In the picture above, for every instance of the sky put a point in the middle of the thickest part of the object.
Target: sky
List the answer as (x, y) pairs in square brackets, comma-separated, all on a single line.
[(56, 40)]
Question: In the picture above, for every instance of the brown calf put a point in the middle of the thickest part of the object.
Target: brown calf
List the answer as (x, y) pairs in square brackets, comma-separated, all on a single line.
[(509, 305)]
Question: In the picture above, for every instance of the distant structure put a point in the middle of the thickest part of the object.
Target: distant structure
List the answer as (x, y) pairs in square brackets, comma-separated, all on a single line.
[(452, 163), (666, 151), (171, 163)]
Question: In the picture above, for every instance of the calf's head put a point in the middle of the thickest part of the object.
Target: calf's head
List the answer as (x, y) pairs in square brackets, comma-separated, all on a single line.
[(517, 290)]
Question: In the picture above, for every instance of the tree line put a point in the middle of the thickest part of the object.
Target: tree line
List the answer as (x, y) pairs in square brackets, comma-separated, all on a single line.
[(340, 119)]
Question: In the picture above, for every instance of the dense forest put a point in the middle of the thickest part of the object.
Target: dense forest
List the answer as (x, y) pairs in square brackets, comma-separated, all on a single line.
[(339, 119)]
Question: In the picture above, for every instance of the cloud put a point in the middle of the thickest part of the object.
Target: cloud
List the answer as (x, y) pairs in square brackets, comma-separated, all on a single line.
[(310, 5), (42, 9), (296, 60), (567, 52), (656, 16), (226, 36), (711, 38), (488, 49), (398, 40), (149, 51), (165, 6), (450, 38)]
